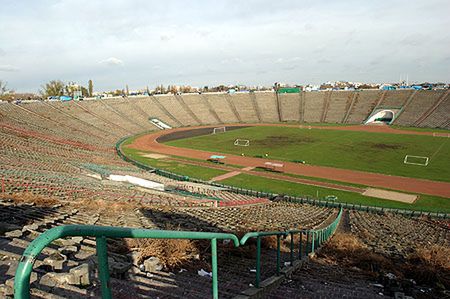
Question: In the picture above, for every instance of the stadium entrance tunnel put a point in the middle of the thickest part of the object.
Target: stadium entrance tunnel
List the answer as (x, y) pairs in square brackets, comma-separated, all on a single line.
[(382, 116)]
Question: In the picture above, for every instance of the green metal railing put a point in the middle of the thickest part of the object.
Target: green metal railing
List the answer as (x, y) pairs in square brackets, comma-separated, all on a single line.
[(313, 239), (258, 236), (23, 272)]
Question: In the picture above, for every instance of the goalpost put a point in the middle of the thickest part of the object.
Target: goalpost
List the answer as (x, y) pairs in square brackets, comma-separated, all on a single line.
[(219, 130), (416, 160), (242, 142)]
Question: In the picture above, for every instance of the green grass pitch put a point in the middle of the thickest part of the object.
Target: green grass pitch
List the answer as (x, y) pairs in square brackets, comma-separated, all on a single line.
[(371, 152)]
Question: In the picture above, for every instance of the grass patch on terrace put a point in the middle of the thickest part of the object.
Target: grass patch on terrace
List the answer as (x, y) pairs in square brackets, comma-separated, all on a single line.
[(364, 151), (425, 202)]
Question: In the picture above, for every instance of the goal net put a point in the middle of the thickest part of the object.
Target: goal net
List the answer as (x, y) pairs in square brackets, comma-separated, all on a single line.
[(219, 130), (416, 160), (242, 142)]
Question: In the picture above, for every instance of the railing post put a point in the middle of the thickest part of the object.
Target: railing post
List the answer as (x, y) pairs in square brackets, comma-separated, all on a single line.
[(215, 288), (307, 243), (258, 261), (292, 249), (300, 246), (278, 254), (313, 241), (103, 269)]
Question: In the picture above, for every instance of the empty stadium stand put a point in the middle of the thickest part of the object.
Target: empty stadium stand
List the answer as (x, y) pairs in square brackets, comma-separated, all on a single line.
[(201, 109), (267, 107), (422, 102), (56, 159), (314, 104), (362, 106), (245, 107), (339, 103), (224, 107), (290, 106), (176, 109)]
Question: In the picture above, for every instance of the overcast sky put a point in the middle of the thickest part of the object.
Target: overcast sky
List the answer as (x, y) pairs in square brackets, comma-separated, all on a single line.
[(200, 43)]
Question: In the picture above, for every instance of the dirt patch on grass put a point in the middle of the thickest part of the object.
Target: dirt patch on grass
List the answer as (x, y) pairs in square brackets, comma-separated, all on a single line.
[(284, 140), (384, 146)]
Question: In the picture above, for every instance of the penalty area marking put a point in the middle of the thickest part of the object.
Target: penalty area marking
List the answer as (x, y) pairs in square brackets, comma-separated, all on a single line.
[(418, 159), (425, 159)]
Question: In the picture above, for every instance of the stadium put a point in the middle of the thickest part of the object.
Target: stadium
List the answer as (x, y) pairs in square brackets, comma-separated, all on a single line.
[(330, 194)]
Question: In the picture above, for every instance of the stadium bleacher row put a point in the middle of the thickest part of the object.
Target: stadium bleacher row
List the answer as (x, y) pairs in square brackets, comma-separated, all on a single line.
[(64, 152), (326, 107), (419, 108)]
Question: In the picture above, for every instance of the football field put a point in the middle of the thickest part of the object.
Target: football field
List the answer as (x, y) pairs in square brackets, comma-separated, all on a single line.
[(366, 151)]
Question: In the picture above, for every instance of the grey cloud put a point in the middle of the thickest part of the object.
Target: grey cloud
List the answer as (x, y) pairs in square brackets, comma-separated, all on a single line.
[(414, 40), (166, 37), (8, 68), (324, 61), (112, 61), (252, 42)]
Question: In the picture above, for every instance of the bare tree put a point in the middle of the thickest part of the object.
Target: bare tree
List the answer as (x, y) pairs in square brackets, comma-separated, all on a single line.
[(3, 87)]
